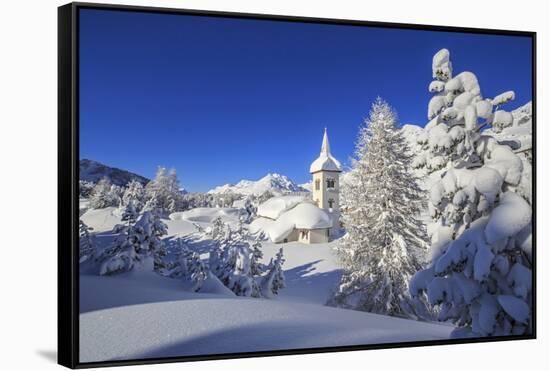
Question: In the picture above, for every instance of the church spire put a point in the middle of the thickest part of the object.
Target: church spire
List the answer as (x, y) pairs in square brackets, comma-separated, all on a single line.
[(325, 147), (325, 161)]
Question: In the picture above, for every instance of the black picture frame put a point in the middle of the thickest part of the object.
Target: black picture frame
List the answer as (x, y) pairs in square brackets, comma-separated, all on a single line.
[(68, 175)]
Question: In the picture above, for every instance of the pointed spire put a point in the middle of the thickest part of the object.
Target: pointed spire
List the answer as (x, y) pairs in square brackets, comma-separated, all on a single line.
[(325, 160), (325, 147)]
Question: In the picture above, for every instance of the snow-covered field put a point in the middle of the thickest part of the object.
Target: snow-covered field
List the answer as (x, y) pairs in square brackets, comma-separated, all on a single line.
[(141, 314)]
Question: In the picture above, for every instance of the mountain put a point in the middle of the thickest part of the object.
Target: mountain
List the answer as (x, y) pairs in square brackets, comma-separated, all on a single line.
[(93, 171), (306, 186), (275, 183)]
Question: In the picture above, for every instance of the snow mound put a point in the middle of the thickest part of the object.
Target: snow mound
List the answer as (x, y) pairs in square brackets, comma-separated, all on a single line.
[(208, 214), (101, 220), (212, 325)]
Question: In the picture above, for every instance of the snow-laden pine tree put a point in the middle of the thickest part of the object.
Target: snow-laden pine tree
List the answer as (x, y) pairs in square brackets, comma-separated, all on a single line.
[(189, 267), (86, 242), (256, 267), (134, 192), (274, 280), (101, 195), (385, 242), (480, 272), (116, 193), (137, 245), (235, 264), (85, 188), (165, 191), (129, 213)]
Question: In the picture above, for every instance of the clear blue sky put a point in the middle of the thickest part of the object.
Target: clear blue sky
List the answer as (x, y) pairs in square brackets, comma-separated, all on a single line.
[(225, 99)]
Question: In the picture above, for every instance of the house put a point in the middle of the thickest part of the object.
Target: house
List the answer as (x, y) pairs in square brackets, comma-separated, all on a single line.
[(300, 218)]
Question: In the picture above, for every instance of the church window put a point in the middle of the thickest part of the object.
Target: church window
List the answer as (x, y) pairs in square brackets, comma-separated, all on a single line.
[(330, 183), (330, 203), (317, 184)]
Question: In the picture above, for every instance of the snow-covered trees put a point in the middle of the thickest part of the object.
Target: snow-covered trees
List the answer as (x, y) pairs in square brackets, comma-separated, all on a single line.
[(385, 241), (136, 243), (85, 188), (102, 195), (86, 243), (274, 280), (235, 264), (189, 267), (480, 273), (134, 193), (129, 213), (163, 192)]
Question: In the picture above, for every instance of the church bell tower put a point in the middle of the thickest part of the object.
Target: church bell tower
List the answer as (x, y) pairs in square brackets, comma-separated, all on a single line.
[(325, 189)]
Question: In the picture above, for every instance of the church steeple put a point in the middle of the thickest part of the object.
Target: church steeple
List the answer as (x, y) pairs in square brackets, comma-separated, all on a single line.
[(325, 147), (325, 191)]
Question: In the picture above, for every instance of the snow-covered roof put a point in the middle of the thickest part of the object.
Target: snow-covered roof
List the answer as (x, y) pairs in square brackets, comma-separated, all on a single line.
[(275, 206), (279, 216), (307, 216), (325, 161)]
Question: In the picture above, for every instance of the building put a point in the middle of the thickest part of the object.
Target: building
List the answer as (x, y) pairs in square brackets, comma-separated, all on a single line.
[(299, 218), (325, 187)]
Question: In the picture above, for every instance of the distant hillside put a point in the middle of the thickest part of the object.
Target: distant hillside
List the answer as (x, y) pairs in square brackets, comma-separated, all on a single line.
[(93, 171)]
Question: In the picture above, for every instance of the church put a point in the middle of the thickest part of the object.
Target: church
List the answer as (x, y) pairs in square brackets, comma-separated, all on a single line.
[(313, 219)]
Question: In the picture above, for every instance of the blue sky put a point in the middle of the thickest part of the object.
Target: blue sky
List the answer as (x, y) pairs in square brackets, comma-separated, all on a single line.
[(225, 99)]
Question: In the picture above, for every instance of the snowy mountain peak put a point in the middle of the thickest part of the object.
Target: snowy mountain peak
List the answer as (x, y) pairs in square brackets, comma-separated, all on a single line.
[(275, 183)]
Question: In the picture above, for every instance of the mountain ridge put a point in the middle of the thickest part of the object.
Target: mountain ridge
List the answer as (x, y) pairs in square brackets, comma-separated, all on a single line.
[(275, 183), (94, 171)]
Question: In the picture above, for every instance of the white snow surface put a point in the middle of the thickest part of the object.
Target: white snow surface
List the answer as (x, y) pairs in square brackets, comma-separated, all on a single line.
[(307, 216), (143, 315), (275, 183), (508, 218), (208, 214), (275, 206), (222, 325)]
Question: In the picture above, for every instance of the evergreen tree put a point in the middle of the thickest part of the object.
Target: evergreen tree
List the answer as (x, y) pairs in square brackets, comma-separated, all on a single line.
[(274, 280), (233, 260), (136, 243), (101, 196), (135, 192), (385, 242), (480, 275), (115, 194), (164, 191), (85, 188), (256, 267), (129, 213), (86, 243), (189, 267)]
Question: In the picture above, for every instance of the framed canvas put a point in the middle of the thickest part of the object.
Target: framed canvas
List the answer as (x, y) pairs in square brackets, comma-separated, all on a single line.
[(239, 185)]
